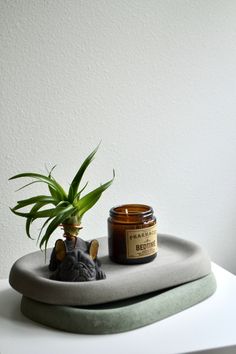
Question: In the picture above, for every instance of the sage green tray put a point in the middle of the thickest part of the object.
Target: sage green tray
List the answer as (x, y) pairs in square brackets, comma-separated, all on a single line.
[(120, 316)]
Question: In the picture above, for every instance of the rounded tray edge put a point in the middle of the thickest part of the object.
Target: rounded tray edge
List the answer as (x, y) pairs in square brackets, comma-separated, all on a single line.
[(52, 292), (121, 319)]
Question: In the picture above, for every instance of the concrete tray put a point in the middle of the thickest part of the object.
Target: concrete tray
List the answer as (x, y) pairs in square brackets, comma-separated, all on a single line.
[(123, 315), (178, 261)]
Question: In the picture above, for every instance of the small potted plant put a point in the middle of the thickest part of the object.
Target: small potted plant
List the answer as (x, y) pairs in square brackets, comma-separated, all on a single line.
[(72, 259)]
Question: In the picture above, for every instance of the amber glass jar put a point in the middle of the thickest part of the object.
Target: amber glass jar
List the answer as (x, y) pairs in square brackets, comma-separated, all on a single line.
[(132, 234)]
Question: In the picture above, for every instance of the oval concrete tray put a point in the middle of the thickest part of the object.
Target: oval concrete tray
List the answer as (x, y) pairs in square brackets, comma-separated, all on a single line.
[(121, 316), (178, 261)]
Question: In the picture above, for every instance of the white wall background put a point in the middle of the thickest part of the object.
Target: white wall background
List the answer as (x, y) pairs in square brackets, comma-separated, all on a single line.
[(155, 80)]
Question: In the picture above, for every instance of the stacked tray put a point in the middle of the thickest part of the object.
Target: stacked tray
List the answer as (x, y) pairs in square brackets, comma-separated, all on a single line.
[(131, 296)]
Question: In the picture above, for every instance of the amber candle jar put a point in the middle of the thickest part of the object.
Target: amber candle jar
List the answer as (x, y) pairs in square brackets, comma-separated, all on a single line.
[(132, 234)]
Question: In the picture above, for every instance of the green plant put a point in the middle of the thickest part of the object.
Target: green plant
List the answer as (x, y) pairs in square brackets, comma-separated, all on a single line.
[(68, 208)]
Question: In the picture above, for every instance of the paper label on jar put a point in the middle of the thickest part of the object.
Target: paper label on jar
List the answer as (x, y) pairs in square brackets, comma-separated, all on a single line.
[(141, 242)]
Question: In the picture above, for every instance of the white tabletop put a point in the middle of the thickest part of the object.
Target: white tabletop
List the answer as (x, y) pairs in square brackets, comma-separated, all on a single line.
[(210, 324)]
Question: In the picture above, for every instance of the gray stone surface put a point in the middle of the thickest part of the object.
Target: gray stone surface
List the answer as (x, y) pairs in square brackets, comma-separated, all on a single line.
[(178, 261), (122, 315)]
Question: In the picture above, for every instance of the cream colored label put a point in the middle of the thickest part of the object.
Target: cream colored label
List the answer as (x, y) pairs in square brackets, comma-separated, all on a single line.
[(141, 242)]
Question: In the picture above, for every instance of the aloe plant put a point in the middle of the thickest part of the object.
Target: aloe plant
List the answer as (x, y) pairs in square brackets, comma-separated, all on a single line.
[(66, 208)]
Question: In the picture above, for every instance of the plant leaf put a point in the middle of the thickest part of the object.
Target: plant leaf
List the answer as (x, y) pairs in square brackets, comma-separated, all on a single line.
[(42, 227), (28, 184), (89, 204), (90, 199), (54, 193), (30, 219), (79, 193), (77, 179), (49, 212), (61, 216), (37, 199), (50, 182)]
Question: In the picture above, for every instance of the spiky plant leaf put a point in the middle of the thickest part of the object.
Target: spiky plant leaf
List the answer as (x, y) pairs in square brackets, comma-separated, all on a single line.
[(42, 228), (54, 193), (30, 219), (90, 203), (37, 199), (90, 199), (79, 193), (59, 219), (26, 185), (77, 179), (50, 182)]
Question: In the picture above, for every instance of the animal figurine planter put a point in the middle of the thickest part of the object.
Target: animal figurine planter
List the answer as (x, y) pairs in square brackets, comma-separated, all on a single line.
[(72, 259), (75, 259)]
